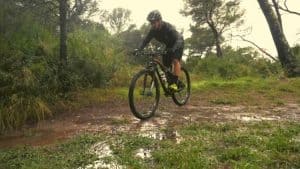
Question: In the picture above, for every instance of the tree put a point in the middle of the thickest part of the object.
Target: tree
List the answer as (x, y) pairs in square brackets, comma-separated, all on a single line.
[(200, 42), (118, 19), (296, 52), (286, 8), (218, 15), (285, 55), (68, 15), (278, 15), (47, 11), (131, 38), (63, 43), (80, 11)]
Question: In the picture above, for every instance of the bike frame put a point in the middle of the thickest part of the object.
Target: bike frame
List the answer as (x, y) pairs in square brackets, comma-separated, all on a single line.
[(148, 80), (153, 66)]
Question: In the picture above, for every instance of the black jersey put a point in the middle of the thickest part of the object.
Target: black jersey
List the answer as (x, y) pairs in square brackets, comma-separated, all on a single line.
[(167, 35)]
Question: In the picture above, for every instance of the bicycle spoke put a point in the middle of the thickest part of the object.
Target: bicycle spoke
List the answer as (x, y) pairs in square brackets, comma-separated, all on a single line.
[(144, 96), (181, 97)]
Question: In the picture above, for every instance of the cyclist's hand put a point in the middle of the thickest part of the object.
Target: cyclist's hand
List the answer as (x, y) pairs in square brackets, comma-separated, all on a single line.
[(137, 52)]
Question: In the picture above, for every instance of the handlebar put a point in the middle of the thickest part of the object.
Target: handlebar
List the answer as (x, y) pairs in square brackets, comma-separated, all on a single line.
[(149, 53)]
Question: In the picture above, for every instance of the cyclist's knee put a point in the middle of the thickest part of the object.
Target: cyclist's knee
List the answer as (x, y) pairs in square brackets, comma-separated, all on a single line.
[(175, 61)]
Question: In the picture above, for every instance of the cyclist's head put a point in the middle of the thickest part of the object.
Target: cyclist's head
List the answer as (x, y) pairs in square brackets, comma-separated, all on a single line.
[(153, 17)]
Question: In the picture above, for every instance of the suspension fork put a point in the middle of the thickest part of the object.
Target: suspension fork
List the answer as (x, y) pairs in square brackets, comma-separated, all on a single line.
[(152, 82)]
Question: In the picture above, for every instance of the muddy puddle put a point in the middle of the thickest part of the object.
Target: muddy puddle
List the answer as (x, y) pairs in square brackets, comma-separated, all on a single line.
[(159, 132), (113, 119), (155, 128), (288, 112)]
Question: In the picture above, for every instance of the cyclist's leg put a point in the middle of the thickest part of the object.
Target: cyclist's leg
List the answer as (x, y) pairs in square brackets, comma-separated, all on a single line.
[(176, 58), (176, 67), (167, 60)]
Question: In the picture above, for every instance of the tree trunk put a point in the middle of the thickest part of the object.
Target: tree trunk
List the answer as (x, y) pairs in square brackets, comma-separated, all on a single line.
[(63, 31), (217, 39), (218, 46), (285, 55), (63, 44), (276, 6)]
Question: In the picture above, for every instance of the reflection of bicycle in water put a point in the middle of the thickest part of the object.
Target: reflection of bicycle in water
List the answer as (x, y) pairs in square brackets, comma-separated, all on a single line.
[(144, 90)]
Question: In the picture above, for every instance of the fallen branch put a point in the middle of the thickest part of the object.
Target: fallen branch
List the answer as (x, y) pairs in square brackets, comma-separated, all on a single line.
[(259, 48)]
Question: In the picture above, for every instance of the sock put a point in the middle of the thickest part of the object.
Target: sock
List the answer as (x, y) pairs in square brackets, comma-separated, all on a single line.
[(174, 79)]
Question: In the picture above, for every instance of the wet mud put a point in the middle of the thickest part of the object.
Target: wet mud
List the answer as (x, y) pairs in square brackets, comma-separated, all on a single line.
[(110, 118)]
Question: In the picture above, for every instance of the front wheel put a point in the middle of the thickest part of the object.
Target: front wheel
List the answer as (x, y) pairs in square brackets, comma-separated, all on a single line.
[(181, 97), (143, 94)]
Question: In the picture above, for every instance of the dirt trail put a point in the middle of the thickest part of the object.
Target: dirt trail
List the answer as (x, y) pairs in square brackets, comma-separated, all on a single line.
[(114, 117)]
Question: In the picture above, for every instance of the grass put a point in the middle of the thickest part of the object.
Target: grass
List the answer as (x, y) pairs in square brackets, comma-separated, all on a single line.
[(71, 154), (121, 121), (236, 145), (248, 91), (203, 145), (242, 91), (97, 96), (89, 97), (125, 147)]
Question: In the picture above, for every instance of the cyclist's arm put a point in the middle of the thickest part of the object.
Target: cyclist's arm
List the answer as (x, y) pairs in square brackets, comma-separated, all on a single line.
[(179, 38), (178, 43), (147, 39)]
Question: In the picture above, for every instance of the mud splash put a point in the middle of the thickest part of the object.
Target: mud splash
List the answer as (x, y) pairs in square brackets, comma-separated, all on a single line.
[(159, 128), (250, 118), (143, 153), (102, 150)]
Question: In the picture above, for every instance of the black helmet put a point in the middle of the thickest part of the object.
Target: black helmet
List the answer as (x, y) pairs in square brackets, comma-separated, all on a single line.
[(154, 15)]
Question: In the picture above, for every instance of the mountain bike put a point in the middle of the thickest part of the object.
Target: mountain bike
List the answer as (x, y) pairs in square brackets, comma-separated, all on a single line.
[(144, 90)]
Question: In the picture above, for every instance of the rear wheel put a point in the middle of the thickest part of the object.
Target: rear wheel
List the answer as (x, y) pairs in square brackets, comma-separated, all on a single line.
[(144, 94), (182, 96)]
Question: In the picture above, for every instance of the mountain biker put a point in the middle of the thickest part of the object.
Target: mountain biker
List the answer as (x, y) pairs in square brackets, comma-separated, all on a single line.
[(165, 33)]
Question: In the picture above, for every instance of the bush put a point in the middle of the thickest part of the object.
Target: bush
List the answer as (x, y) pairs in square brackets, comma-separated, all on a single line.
[(94, 58), (27, 78), (296, 52), (234, 64), (29, 83)]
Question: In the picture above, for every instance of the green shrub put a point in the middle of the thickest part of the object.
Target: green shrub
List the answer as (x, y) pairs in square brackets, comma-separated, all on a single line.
[(29, 83), (234, 64), (94, 57), (26, 73), (296, 51)]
